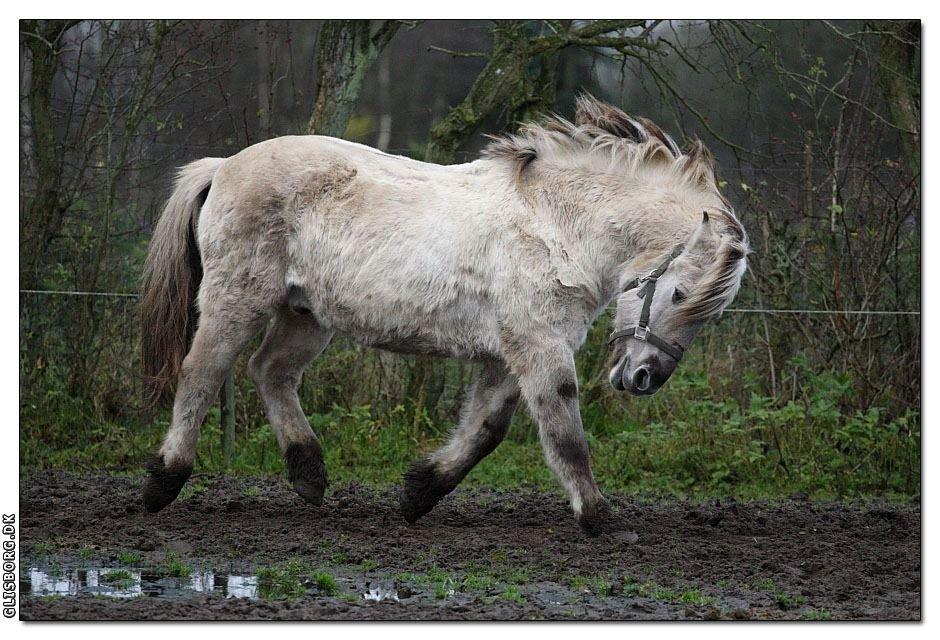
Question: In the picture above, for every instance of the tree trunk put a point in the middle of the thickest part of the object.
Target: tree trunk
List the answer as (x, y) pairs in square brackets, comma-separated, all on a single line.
[(900, 50), (44, 210), (500, 85), (345, 52)]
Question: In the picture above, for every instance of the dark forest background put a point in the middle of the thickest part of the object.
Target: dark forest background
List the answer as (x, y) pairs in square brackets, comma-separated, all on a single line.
[(816, 126)]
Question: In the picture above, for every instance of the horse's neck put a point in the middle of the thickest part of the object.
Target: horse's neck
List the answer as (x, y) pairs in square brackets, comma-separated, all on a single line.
[(602, 257)]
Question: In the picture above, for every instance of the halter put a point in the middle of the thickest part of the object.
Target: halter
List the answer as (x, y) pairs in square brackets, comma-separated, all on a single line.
[(642, 330)]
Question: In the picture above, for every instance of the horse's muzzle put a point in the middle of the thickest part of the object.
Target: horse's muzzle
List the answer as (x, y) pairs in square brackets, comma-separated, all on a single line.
[(643, 380)]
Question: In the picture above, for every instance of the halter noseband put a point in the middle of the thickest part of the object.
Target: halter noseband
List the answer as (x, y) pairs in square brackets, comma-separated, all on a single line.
[(642, 330)]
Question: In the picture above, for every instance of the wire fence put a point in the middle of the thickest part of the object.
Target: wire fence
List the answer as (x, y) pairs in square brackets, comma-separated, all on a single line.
[(81, 347), (870, 312)]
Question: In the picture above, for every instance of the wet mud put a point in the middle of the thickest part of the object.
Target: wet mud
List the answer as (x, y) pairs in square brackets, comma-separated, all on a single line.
[(91, 551)]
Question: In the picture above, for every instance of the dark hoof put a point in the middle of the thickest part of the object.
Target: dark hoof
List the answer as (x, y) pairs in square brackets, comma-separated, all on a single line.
[(164, 484), (422, 491), (306, 471), (596, 519)]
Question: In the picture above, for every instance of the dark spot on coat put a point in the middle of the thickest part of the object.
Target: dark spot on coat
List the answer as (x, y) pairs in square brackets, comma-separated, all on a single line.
[(424, 488), (571, 450), (164, 483), (297, 299), (595, 518), (306, 471), (568, 389)]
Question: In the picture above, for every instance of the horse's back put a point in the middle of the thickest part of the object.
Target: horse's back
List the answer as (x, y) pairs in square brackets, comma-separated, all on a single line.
[(365, 235)]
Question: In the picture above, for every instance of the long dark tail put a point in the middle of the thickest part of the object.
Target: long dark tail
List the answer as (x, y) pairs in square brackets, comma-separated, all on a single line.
[(171, 280)]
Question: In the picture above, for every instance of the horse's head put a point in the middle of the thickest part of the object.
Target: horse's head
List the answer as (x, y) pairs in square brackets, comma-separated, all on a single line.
[(666, 302)]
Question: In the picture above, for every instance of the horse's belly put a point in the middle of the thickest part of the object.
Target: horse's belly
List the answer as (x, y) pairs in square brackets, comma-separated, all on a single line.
[(459, 331)]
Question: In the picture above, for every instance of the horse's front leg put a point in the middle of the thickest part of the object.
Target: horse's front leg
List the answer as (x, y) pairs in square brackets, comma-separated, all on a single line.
[(486, 417), (549, 385)]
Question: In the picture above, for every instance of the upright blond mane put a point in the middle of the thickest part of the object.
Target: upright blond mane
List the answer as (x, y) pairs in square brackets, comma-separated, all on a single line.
[(604, 138)]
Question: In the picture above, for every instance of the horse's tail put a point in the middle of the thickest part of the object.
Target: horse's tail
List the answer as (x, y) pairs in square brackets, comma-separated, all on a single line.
[(171, 280)]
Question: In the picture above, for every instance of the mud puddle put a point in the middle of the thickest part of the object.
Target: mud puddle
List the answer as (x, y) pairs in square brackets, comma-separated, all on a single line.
[(124, 582), (251, 549)]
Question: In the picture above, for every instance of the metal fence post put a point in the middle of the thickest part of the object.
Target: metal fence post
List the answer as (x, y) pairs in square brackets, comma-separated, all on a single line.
[(227, 414)]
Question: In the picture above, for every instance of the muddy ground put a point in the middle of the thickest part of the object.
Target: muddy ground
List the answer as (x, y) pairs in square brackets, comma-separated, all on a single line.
[(482, 554)]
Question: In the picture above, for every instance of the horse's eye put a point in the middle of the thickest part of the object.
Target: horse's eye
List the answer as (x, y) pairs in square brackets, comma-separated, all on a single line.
[(677, 296)]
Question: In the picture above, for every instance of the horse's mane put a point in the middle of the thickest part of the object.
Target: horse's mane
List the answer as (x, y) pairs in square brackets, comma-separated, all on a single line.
[(722, 278), (606, 139)]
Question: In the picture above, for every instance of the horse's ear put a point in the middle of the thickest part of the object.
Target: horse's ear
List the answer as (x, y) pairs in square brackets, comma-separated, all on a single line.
[(704, 217), (700, 165)]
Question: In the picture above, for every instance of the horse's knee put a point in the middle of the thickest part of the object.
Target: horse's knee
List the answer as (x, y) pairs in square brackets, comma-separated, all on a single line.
[(164, 483), (257, 367), (306, 471)]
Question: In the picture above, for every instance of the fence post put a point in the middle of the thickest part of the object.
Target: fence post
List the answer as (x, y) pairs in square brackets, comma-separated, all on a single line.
[(227, 414)]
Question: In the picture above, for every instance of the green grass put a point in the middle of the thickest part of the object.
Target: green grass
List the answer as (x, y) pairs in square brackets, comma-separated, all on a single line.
[(117, 578), (192, 488), (817, 614), (41, 550), (129, 557), (691, 439), (289, 579), (784, 600), (655, 591), (174, 567), (86, 553), (326, 584), (598, 585), (512, 594), (282, 581), (368, 565)]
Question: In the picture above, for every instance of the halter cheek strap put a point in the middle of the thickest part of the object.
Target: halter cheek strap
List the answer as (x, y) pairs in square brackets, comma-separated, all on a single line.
[(642, 331)]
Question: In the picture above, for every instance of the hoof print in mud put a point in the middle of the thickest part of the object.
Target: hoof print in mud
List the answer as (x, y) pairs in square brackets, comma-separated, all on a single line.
[(306, 471), (164, 484), (596, 520), (422, 491)]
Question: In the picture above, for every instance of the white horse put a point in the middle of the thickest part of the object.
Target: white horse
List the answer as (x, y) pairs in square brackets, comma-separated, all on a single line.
[(505, 261)]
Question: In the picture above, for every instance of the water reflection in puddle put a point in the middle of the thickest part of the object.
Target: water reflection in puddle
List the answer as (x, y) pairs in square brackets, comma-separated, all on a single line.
[(128, 583)]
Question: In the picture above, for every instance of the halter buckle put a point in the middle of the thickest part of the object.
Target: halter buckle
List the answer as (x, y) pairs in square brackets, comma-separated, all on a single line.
[(649, 276), (640, 333)]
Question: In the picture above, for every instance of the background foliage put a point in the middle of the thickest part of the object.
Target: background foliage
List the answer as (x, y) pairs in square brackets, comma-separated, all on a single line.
[(816, 127)]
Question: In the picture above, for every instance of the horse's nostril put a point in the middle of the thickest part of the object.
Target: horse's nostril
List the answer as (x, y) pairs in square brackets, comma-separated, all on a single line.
[(642, 379)]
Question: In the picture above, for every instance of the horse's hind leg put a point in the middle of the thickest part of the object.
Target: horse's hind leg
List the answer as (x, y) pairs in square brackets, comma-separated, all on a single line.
[(483, 426), (219, 339), (293, 340)]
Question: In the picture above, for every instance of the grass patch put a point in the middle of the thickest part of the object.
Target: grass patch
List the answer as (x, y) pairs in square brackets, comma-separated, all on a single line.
[(655, 591), (784, 600), (478, 582), (118, 578), (817, 614), (41, 549), (192, 488), (174, 567), (290, 580), (512, 594), (86, 553), (368, 565), (129, 557), (326, 584), (694, 596), (598, 585), (282, 581), (694, 438)]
